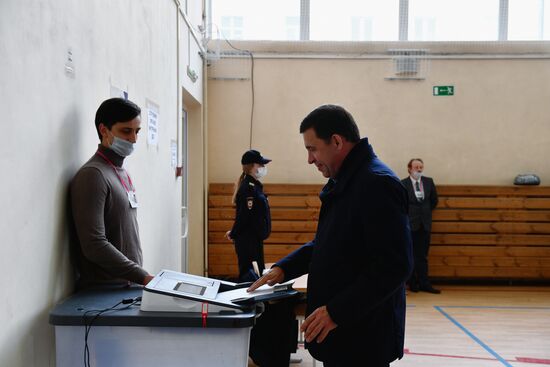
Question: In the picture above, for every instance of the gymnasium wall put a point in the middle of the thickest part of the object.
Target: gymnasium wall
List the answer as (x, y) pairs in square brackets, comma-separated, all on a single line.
[(495, 126)]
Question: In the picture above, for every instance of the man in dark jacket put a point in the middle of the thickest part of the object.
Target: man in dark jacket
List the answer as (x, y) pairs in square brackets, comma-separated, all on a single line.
[(422, 201), (360, 257)]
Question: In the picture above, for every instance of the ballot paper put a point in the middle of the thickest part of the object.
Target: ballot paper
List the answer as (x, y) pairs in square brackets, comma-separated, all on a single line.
[(169, 289), (263, 293)]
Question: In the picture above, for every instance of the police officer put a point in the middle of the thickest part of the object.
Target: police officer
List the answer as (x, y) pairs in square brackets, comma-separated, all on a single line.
[(274, 336), (253, 219)]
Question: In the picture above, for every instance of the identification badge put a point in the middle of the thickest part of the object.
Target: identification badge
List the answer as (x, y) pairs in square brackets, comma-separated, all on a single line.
[(133, 199), (419, 195), (249, 203)]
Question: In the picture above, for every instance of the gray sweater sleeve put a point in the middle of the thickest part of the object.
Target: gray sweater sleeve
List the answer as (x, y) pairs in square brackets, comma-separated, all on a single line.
[(90, 200)]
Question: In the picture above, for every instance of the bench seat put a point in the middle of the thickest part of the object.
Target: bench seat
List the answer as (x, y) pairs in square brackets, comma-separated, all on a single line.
[(479, 232)]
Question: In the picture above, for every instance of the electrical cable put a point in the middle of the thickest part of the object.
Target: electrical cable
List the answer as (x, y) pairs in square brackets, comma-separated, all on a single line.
[(127, 302), (251, 85), (251, 55)]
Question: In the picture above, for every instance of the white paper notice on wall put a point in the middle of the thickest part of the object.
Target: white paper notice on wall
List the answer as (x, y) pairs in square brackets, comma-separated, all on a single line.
[(173, 153), (152, 124), (117, 92)]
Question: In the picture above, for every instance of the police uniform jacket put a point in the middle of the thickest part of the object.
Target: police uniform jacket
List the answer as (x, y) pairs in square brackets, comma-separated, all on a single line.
[(253, 218), (359, 261), (420, 211)]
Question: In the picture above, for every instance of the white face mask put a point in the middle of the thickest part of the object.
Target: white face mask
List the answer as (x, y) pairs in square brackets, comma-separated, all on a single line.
[(122, 147), (416, 175), (261, 172)]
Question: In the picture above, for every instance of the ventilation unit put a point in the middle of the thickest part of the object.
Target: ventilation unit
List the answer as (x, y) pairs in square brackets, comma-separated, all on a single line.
[(408, 64)]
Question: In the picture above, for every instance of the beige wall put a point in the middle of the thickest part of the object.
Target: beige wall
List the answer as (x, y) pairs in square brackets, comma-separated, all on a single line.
[(495, 126)]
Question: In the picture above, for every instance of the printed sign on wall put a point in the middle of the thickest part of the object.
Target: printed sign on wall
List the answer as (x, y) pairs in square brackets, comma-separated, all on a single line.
[(173, 153), (444, 90), (152, 124)]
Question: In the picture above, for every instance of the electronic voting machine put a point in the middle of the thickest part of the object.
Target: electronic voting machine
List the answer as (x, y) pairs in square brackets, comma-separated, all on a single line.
[(172, 291)]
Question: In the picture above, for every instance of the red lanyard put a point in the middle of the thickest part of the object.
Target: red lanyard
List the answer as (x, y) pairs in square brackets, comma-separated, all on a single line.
[(114, 168)]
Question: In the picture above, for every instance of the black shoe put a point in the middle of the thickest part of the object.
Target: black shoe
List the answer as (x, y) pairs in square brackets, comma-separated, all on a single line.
[(430, 289), (413, 287)]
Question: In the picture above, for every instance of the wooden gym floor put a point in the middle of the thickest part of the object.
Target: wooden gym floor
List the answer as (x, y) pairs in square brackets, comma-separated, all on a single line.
[(474, 326)]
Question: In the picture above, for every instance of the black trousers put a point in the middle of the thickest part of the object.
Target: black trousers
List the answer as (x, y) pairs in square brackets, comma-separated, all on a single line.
[(249, 248), (275, 335), (421, 246)]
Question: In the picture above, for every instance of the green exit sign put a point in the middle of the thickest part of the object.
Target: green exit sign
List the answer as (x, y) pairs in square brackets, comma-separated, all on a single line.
[(444, 90)]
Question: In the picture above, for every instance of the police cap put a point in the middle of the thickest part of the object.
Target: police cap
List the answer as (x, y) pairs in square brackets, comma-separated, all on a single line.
[(253, 156)]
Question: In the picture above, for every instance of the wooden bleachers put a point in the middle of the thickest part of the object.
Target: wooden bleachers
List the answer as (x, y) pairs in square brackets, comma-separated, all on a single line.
[(479, 232)]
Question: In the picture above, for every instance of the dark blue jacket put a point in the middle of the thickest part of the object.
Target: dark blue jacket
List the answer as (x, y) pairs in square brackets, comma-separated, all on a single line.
[(359, 261), (253, 216)]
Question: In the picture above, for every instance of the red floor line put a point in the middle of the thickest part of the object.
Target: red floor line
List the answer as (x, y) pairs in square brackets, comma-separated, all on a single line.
[(449, 356), (533, 360), (517, 359)]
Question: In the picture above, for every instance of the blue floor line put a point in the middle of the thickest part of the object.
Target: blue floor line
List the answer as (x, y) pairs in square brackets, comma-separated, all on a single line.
[(476, 339)]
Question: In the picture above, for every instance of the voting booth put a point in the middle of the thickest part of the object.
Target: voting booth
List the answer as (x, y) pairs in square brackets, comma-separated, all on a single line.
[(174, 291), (178, 319)]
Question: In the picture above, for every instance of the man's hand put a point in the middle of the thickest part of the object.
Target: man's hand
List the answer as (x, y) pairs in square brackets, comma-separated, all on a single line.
[(274, 276), (317, 325), (228, 235), (147, 279)]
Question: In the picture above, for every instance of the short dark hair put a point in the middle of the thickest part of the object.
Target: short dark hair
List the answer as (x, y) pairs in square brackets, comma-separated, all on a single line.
[(115, 110), (329, 119), (410, 164)]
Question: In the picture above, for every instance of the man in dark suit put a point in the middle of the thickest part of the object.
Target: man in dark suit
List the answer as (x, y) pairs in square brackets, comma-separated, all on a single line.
[(422, 200), (361, 255)]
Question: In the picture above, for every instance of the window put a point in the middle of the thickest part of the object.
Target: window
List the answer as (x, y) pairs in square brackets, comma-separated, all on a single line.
[(528, 20), (379, 20), (346, 20), (232, 27), (361, 29), (292, 28), (260, 19), (453, 20), (424, 28)]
